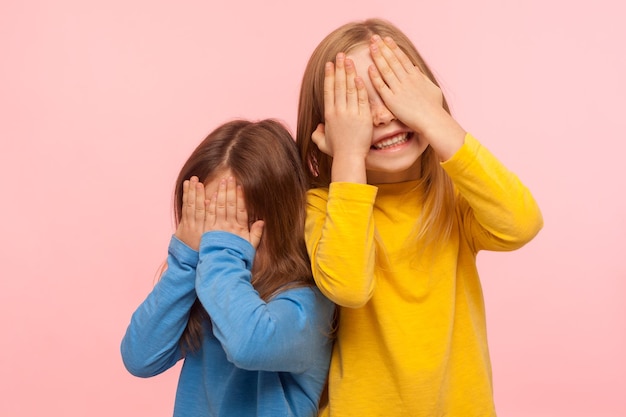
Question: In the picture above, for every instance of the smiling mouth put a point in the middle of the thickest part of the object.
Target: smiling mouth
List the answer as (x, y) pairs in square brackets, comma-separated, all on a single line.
[(392, 141)]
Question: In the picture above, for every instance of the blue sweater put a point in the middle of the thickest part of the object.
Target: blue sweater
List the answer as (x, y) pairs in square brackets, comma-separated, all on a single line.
[(257, 358)]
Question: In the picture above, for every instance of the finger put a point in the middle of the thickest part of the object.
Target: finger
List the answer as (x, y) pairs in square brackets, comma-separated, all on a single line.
[(395, 57), (386, 62), (231, 200), (199, 203), (256, 231), (377, 81), (352, 98), (209, 219), (220, 202), (340, 81), (183, 211), (329, 87), (191, 200), (363, 102), (407, 64), (242, 212)]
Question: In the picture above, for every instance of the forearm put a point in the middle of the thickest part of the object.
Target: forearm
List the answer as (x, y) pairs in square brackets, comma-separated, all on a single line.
[(151, 343), (256, 335), (340, 239), (504, 215), (349, 168), (444, 134)]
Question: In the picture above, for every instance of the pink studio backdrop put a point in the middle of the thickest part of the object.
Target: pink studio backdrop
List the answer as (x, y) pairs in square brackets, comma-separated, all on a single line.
[(101, 102)]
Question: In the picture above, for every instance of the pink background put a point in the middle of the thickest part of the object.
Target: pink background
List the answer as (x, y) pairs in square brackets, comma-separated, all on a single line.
[(102, 101)]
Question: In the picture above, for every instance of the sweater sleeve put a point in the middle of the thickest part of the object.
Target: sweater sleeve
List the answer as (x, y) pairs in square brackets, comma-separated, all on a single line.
[(151, 343), (340, 240), (497, 211), (285, 334)]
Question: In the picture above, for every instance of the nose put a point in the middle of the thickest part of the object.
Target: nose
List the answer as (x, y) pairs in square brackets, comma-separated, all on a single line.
[(381, 115)]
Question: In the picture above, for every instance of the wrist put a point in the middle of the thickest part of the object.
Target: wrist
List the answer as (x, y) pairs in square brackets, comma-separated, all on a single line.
[(444, 134), (349, 167)]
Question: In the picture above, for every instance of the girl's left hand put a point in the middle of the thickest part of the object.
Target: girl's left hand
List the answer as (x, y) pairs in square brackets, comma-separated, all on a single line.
[(412, 97), (406, 91), (227, 211)]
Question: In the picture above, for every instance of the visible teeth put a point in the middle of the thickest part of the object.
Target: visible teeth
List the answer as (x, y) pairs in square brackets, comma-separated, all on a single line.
[(383, 144)]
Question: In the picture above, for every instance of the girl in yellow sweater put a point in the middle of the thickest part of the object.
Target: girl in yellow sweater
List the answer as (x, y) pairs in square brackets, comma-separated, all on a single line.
[(401, 200)]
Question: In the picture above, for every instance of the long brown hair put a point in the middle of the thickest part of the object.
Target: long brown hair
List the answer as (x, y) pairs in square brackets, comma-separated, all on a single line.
[(438, 190), (263, 158)]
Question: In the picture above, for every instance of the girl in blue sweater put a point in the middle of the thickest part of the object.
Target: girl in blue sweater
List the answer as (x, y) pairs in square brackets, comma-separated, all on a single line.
[(237, 301)]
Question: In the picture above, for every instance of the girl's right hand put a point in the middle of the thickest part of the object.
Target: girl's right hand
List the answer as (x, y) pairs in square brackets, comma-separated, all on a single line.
[(191, 225), (347, 132), (226, 211)]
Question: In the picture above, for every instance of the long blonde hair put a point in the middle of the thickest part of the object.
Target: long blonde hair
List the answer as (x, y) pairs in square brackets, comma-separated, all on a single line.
[(437, 218), (263, 157)]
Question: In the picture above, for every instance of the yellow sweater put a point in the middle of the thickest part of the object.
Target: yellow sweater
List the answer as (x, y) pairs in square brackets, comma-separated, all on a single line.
[(412, 339)]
